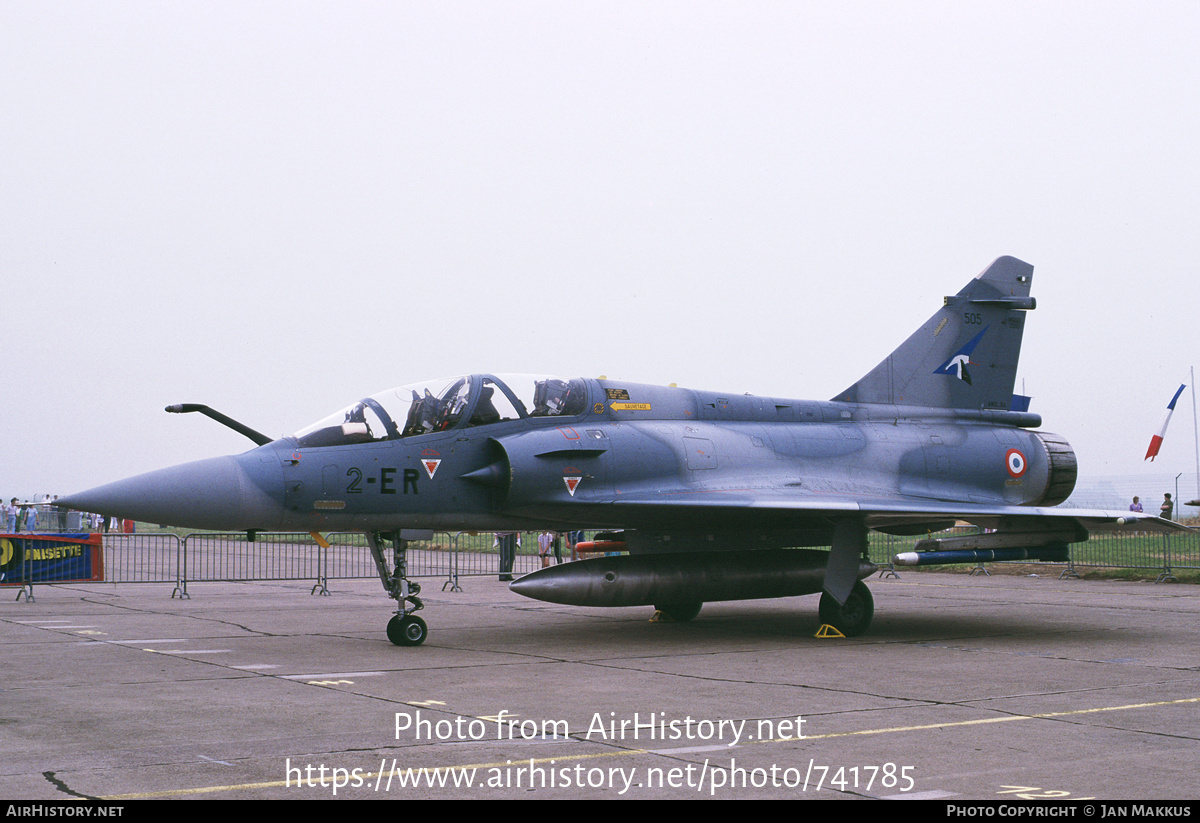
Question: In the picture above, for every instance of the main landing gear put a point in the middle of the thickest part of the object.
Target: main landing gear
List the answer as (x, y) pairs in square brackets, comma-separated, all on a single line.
[(679, 612), (853, 618), (405, 628)]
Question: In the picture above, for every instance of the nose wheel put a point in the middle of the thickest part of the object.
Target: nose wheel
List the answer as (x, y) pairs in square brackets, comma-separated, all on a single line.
[(405, 628)]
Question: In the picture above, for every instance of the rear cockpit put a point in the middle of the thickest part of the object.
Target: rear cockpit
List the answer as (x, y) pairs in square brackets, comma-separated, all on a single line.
[(442, 405)]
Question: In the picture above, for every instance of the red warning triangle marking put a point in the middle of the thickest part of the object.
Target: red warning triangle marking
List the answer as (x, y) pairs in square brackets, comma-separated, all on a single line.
[(572, 484), (431, 467)]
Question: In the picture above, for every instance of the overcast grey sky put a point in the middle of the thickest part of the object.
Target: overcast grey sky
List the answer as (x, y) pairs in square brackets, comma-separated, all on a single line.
[(276, 208)]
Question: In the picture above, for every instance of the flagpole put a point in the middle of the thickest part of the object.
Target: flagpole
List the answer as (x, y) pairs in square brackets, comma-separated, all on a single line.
[(1195, 434)]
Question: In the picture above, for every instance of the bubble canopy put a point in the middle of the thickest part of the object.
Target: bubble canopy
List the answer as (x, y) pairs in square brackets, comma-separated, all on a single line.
[(445, 404)]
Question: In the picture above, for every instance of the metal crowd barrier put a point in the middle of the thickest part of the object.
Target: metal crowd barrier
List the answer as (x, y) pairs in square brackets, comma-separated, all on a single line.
[(163, 557), (477, 554), (142, 558), (1153, 552), (210, 557)]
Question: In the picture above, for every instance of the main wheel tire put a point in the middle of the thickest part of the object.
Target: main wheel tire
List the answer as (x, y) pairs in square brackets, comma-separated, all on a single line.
[(680, 612), (407, 630), (853, 618)]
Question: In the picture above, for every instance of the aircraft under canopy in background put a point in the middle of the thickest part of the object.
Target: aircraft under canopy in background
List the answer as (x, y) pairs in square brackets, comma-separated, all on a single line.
[(710, 493)]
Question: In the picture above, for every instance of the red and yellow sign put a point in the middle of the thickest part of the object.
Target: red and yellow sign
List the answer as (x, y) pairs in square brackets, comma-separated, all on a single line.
[(50, 558)]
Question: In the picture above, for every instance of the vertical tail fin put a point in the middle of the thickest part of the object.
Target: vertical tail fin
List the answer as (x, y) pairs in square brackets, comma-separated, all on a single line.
[(965, 356)]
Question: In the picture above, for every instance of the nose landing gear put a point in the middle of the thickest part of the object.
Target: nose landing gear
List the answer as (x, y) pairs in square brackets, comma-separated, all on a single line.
[(405, 628)]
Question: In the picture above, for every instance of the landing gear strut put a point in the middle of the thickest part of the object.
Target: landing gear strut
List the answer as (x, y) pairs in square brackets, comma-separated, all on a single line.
[(405, 628)]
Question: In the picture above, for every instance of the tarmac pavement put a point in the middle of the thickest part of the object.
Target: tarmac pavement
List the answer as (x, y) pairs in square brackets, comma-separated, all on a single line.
[(964, 688)]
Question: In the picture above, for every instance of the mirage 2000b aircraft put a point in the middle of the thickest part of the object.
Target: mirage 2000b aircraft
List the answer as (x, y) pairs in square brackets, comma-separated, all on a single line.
[(710, 493)]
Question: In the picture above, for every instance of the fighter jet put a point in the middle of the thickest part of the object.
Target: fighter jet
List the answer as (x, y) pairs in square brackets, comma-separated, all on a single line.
[(713, 495)]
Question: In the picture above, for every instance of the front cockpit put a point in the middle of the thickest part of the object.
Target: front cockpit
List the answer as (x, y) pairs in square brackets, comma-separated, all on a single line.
[(442, 405)]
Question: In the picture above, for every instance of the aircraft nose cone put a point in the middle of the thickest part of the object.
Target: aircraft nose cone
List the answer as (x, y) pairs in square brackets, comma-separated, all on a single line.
[(220, 493)]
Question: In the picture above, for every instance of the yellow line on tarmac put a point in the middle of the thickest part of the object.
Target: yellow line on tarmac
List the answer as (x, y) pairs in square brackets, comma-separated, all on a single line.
[(1004, 719), (626, 752)]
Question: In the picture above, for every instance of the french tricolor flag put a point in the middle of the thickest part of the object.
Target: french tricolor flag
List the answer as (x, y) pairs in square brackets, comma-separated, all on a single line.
[(1157, 439)]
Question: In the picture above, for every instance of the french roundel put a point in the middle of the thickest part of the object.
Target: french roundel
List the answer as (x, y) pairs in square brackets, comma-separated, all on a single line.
[(1015, 462)]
